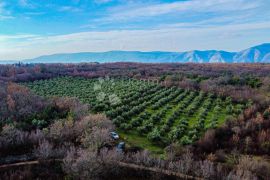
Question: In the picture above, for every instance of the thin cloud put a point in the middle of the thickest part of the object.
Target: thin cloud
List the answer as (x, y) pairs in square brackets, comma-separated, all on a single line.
[(69, 9), (102, 1), (7, 38), (185, 13), (197, 6), (26, 4), (4, 14), (23, 2), (4, 17), (227, 37)]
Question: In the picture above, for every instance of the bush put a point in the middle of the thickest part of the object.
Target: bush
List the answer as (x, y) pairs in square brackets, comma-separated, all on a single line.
[(24, 173), (136, 122), (266, 114), (97, 138), (260, 168), (185, 140), (14, 140), (165, 128), (87, 164), (174, 134), (44, 150), (184, 165), (82, 164), (125, 126), (117, 121), (39, 123), (141, 158), (206, 169), (229, 109), (154, 135), (57, 130), (142, 129)]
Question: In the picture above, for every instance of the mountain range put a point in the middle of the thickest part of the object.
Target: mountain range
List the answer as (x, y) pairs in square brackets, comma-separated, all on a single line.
[(256, 54)]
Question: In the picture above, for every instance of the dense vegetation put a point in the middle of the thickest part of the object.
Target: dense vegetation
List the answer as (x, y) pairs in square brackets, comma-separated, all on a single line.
[(240, 81), (163, 115), (214, 120)]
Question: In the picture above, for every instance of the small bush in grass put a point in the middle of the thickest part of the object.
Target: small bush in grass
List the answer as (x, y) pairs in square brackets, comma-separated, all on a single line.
[(185, 140), (154, 135), (125, 126)]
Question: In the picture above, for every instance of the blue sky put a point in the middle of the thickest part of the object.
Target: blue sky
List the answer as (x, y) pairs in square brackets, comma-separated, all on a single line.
[(30, 28)]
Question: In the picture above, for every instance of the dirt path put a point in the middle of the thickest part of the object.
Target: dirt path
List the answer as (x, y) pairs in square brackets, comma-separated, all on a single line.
[(158, 170), (127, 165), (27, 163)]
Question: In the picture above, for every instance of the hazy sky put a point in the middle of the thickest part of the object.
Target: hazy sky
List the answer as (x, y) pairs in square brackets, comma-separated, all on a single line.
[(29, 28)]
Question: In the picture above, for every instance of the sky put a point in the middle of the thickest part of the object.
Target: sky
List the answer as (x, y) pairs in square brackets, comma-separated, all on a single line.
[(30, 28)]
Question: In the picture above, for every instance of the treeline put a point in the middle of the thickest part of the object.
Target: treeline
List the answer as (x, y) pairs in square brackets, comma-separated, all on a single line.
[(240, 73)]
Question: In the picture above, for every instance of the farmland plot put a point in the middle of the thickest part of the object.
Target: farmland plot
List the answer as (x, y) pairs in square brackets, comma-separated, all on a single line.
[(160, 115)]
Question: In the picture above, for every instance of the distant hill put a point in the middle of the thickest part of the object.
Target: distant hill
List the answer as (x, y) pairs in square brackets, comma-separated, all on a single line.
[(257, 54), (8, 62)]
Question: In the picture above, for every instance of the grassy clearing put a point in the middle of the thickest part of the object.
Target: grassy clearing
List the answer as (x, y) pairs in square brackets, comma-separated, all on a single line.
[(132, 138)]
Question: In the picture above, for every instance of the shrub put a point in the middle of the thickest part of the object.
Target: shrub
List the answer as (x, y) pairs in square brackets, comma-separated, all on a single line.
[(44, 150), (142, 158), (82, 164), (185, 164), (87, 164), (241, 174), (174, 134), (125, 126), (39, 123), (260, 168), (185, 140), (56, 131), (24, 173), (117, 121), (136, 122), (14, 140), (266, 114), (96, 138), (154, 135), (206, 169), (142, 129), (208, 141)]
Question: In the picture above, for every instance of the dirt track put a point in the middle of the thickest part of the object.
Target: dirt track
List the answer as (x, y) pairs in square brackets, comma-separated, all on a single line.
[(127, 165)]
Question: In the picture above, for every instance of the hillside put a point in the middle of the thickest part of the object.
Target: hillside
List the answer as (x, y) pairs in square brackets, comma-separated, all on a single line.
[(257, 54)]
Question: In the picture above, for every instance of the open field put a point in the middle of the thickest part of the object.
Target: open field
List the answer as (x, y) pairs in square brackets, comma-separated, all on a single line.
[(146, 114)]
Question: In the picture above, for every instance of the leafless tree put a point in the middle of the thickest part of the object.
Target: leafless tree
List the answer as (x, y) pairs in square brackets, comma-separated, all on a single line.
[(44, 150)]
